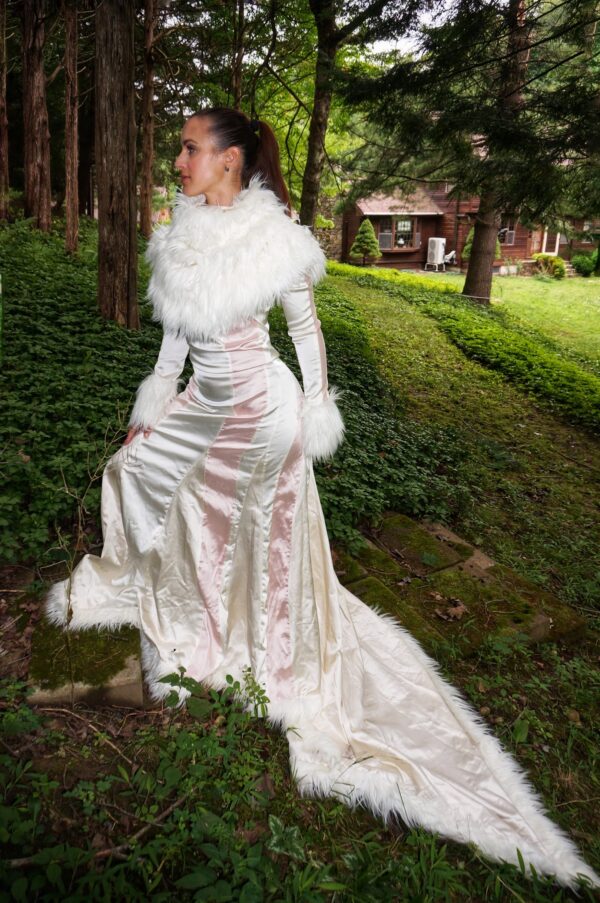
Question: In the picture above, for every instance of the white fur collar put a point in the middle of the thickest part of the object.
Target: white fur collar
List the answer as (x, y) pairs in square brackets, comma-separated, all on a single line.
[(215, 268)]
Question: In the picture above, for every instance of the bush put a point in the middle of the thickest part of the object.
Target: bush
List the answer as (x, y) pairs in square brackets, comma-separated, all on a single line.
[(374, 276), (321, 222), (584, 264), (549, 265), (466, 251), (366, 243)]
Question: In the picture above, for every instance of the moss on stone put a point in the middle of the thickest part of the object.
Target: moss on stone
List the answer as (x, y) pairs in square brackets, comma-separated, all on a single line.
[(376, 595), (500, 603), (382, 564), (91, 657), (347, 568), (416, 547)]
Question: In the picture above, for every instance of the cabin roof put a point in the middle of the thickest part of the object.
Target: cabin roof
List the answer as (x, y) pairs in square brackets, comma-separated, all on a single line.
[(417, 203)]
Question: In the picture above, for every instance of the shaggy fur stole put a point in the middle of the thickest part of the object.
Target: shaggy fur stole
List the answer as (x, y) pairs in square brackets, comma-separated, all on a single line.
[(214, 268)]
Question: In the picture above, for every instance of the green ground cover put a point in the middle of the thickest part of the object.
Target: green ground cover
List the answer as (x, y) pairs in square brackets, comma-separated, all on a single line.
[(564, 312), (201, 805), (536, 363)]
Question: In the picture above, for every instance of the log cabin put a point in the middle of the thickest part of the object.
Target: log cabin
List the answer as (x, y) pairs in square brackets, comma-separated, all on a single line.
[(404, 223)]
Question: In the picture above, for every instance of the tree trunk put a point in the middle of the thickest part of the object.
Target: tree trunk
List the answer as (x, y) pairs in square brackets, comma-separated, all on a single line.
[(71, 127), (115, 163), (147, 123), (3, 117), (324, 13), (239, 33), (86, 154), (478, 284), (36, 133)]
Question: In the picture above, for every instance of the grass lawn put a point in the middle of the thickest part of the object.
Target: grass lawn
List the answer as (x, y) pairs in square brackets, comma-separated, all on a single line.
[(566, 312)]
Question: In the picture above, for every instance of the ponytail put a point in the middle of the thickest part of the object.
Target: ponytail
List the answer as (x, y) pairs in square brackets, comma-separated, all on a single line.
[(260, 150)]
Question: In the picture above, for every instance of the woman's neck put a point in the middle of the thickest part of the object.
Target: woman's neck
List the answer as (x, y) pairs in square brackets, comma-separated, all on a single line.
[(223, 197)]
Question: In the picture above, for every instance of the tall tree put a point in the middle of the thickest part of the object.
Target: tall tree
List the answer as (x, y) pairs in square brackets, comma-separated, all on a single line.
[(115, 162), (36, 132), (71, 126), (147, 118), (330, 37), (239, 38), (509, 102), (4, 179)]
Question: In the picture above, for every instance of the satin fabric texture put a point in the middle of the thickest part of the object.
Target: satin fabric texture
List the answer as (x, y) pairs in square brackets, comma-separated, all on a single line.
[(215, 546)]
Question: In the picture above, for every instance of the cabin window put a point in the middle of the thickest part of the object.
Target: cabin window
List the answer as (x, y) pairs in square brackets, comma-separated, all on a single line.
[(403, 233), (397, 232), (386, 233), (506, 232)]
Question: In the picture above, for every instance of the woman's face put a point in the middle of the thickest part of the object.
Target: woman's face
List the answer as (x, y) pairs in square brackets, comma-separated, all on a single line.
[(201, 166)]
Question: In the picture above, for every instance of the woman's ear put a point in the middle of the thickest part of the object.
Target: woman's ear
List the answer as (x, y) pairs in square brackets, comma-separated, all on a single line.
[(232, 158)]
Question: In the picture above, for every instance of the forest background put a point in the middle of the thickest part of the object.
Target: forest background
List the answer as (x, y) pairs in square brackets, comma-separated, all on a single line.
[(501, 98)]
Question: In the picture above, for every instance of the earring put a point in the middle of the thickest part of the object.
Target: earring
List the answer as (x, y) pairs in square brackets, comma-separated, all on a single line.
[(226, 169)]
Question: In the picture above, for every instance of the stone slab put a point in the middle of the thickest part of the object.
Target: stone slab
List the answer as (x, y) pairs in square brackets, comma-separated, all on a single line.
[(347, 568), (93, 666), (470, 608), (125, 688), (416, 548), (441, 587), (376, 595)]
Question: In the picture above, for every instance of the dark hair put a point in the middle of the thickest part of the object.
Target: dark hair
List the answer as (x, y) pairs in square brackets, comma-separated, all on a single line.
[(260, 150)]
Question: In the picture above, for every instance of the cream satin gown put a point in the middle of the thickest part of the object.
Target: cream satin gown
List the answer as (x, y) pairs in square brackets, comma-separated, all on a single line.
[(216, 548)]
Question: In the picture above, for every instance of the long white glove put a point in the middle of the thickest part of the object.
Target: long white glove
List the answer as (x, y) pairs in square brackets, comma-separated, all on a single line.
[(322, 424), (156, 392)]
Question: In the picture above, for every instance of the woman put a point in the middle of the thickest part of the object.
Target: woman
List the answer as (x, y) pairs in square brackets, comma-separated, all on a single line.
[(214, 539)]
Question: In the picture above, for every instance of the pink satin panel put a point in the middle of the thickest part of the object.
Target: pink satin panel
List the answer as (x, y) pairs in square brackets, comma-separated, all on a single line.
[(219, 498), (279, 642)]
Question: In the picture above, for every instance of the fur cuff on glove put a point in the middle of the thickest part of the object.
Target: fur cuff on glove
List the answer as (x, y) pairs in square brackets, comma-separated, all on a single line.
[(154, 395), (322, 426)]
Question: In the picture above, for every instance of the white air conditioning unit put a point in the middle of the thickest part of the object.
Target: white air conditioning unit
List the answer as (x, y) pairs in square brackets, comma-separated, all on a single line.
[(436, 251)]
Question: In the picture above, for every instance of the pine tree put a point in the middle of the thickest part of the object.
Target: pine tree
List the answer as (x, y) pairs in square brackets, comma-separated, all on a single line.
[(365, 244), (500, 129)]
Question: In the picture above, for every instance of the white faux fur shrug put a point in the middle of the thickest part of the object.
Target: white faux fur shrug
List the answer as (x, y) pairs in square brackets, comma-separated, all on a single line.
[(214, 268)]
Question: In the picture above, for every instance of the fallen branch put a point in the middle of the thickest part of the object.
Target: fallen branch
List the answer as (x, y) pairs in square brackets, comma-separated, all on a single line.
[(93, 727), (118, 851)]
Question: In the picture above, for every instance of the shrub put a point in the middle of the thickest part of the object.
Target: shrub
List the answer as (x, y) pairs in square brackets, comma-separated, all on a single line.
[(584, 264), (321, 222), (466, 251), (550, 265), (374, 276), (365, 244)]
